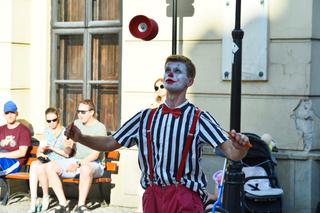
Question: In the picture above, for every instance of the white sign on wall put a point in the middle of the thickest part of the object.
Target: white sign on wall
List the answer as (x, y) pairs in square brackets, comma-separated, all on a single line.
[(254, 23)]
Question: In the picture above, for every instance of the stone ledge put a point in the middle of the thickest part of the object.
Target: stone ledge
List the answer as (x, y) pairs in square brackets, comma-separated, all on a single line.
[(297, 155)]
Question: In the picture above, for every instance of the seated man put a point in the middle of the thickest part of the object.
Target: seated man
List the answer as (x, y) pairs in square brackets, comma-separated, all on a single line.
[(15, 139), (87, 162)]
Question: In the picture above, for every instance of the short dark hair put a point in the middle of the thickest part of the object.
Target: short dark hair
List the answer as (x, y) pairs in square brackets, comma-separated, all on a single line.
[(191, 69)]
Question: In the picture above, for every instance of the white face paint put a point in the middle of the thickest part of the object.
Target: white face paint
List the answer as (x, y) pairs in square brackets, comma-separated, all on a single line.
[(175, 76)]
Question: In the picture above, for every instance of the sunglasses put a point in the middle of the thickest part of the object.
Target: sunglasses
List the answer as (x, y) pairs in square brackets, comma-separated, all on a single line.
[(156, 88), (83, 111), (53, 120)]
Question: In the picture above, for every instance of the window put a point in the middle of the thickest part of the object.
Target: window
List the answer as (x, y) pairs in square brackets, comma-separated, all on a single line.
[(86, 53)]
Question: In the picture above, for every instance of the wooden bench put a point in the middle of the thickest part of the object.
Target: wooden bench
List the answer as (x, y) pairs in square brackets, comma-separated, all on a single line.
[(111, 167)]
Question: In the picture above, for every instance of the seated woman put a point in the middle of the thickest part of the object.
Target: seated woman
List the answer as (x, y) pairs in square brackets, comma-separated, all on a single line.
[(51, 148)]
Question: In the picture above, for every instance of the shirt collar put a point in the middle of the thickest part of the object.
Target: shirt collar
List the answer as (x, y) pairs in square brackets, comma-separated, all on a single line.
[(180, 106)]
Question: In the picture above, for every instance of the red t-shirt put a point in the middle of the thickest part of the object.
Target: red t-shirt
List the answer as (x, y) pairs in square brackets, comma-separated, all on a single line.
[(11, 139)]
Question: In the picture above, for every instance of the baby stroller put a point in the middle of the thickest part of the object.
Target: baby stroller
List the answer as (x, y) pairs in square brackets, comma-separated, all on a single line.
[(262, 193)]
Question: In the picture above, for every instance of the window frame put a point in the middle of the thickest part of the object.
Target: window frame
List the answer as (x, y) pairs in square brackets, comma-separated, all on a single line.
[(87, 28)]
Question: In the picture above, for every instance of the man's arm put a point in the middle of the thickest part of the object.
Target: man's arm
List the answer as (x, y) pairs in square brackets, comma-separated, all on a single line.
[(236, 147), (99, 143), (20, 153)]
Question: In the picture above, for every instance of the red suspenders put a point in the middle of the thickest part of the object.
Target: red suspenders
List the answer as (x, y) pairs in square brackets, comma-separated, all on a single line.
[(185, 148), (149, 142)]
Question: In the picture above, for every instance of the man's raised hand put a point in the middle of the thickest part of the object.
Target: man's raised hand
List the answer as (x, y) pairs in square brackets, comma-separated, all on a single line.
[(73, 133), (239, 141)]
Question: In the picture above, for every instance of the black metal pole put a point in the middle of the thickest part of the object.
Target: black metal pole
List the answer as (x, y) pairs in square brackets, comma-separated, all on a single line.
[(174, 26), (233, 190), (237, 35)]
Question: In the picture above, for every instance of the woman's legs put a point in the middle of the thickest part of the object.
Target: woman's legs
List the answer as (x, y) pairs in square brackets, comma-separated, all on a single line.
[(53, 170), (33, 183), (43, 180)]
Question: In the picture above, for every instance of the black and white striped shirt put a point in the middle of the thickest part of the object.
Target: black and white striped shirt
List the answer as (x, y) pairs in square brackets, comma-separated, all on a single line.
[(168, 136)]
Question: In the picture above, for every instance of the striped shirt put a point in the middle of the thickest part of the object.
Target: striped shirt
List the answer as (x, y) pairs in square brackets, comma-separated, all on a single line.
[(168, 137)]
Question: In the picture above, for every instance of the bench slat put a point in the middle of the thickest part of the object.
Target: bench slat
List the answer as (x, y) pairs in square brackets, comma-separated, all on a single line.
[(102, 180), (30, 160), (18, 176), (114, 155), (33, 150), (111, 167), (95, 180)]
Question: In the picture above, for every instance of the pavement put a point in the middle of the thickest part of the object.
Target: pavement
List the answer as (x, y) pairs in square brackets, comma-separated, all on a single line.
[(20, 205), (19, 201)]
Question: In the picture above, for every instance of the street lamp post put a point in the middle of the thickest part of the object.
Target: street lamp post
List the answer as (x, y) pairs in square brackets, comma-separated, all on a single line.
[(174, 26), (233, 190)]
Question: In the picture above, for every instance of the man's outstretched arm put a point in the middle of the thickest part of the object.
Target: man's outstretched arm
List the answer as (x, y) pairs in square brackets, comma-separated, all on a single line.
[(99, 143)]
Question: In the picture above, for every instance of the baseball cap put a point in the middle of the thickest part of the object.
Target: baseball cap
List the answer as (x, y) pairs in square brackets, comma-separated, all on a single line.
[(9, 106)]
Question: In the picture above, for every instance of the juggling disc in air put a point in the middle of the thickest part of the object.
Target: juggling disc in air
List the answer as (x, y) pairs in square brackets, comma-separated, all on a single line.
[(143, 27)]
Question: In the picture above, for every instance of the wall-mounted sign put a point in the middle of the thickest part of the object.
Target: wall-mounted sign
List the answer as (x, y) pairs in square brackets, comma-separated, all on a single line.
[(254, 23)]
